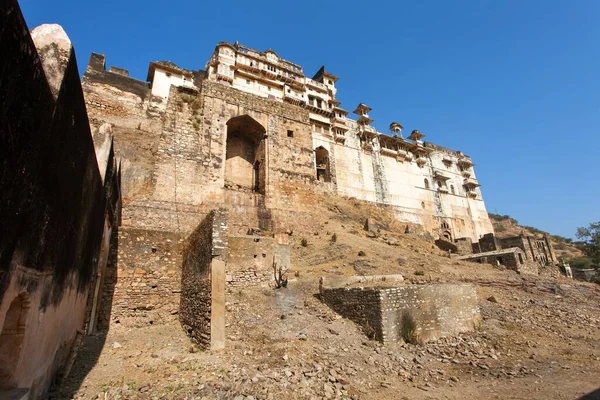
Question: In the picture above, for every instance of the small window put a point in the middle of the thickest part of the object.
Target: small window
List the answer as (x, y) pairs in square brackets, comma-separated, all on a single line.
[(168, 74), (247, 81), (452, 189), (426, 184), (290, 134)]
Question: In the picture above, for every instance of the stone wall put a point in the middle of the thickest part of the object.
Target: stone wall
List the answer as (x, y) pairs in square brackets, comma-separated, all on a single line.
[(428, 312), (53, 203), (411, 312), (206, 244), (143, 280), (250, 260), (358, 304)]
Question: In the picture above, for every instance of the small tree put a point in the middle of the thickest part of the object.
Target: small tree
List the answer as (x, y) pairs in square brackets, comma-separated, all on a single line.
[(590, 238), (280, 276)]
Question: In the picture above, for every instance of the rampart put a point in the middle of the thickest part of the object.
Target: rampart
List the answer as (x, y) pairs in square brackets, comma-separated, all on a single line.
[(58, 208)]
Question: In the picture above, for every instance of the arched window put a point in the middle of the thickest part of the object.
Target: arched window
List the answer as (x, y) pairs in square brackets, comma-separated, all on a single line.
[(11, 339), (426, 183), (322, 164), (452, 189)]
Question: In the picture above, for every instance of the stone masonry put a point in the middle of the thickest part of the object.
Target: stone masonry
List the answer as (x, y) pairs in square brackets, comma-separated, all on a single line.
[(411, 312)]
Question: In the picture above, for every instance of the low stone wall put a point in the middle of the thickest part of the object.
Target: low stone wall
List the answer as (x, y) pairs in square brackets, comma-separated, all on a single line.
[(251, 259), (412, 312), (358, 304), (428, 312)]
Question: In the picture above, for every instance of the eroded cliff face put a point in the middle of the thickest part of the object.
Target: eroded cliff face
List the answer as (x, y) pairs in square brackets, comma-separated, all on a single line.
[(53, 201)]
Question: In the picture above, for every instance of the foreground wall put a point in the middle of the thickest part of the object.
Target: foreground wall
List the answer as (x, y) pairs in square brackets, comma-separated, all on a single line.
[(52, 201), (413, 312), (202, 307)]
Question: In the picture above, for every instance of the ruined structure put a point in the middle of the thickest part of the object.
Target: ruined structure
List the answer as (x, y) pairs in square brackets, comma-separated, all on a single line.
[(521, 253), (59, 201), (413, 313)]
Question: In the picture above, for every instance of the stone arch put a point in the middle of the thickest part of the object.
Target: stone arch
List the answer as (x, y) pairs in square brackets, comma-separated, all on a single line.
[(322, 164), (447, 236), (245, 154), (11, 339)]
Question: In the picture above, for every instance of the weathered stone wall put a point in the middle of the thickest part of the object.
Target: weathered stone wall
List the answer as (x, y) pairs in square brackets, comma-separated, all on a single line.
[(208, 242), (464, 245), (428, 312), (358, 304), (411, 312), (250, 260), (143, 280), (489, 242), (194, 311), (52, 201)]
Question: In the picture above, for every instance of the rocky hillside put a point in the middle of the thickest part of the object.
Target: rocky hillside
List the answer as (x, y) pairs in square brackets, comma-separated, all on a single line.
[(506, 226)]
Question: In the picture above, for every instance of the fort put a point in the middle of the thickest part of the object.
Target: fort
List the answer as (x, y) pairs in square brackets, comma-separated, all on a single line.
[(144, 203)]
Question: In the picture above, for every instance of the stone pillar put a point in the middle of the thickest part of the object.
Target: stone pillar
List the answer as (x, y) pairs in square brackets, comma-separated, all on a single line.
[(217, 310)]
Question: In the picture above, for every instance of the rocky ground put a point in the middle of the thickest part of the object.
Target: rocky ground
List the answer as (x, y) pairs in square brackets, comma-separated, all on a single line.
[(540, 336)]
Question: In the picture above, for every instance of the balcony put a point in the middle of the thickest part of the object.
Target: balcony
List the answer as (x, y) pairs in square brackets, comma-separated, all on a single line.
[(470, 183), (388, 152), (339, 136), (440, 175), (316, 84), (472, 195), (420, 160), (465, 162), (340, 123), (465, 173)]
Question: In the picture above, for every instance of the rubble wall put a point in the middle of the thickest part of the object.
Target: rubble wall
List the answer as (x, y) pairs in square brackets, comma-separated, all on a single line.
[(208, 242), (434, 310), (195, 306), (250, 260), (52, 202), (411, 312), (358, 304)]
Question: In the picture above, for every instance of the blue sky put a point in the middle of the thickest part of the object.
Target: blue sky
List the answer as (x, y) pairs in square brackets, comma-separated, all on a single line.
[(514, 84)]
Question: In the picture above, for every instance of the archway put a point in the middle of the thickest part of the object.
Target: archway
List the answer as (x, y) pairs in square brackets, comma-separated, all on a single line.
[(322, 164), (447, 236), (245, 154), (11, 339)]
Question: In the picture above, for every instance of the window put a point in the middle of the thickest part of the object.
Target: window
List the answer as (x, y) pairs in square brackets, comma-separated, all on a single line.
[(290, 134), (247, 81), (168, 74), (426, 184), (452, 189), (319, 103)]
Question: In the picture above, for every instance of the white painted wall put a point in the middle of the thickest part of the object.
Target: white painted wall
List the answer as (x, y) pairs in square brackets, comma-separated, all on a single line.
[(161, 84)]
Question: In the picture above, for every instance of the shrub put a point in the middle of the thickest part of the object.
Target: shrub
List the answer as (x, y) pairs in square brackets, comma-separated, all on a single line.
[(334, 238), (361, 253), (408, 329), (420, 273), (581, 262), (304, 242)]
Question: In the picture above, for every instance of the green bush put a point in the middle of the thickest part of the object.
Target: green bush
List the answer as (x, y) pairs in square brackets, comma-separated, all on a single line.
[(581, 262)]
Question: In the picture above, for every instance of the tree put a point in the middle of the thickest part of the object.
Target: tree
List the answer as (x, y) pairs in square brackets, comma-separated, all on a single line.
[(590, 238)]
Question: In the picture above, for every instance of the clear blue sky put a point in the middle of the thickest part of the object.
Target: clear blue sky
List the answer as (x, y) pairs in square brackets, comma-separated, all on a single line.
[(514, 84)]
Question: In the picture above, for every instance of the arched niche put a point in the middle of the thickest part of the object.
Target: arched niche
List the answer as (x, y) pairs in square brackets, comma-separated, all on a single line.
[(11, 339), (245, 154), (322, 164)]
